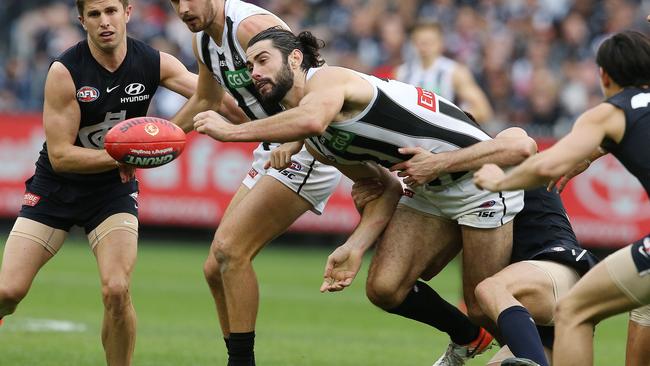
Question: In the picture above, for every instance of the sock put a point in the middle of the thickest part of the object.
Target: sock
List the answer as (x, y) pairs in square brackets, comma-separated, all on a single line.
[(520, 334), (240, 349), (423, 304)]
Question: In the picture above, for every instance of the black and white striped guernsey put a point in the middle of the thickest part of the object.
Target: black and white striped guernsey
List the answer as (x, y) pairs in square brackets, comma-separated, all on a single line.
[(228, 60), (399, 115)]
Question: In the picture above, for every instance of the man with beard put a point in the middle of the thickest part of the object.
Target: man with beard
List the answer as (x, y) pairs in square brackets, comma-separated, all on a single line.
[(353, 120), (253, 217)]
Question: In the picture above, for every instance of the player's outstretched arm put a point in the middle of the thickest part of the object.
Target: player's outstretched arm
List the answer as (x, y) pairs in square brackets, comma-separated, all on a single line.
[(61, 119), (175, 76), (509, 147), (323, 100), (344, 263), (587, 134), (208, 96), (561, 182)]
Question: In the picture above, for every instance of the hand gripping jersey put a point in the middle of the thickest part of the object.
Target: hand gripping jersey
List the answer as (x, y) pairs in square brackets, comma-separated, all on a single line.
[(309, 178)]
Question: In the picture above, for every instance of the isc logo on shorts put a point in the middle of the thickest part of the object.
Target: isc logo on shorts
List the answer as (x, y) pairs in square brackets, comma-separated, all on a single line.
[(30, 199)]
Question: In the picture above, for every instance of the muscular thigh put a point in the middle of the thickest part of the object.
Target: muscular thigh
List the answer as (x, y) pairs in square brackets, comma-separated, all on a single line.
[(115, 242), (266, 211), (414, 245), (485, 252)]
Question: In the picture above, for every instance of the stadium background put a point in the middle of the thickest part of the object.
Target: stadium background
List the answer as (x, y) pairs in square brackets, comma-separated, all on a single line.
[(534, 59)]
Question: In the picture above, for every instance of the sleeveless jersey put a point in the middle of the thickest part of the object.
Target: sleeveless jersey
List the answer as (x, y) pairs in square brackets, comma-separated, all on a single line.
[(633, 150), (542, 231), (228, 60), (105, 98), (399, 115), (437, 77)]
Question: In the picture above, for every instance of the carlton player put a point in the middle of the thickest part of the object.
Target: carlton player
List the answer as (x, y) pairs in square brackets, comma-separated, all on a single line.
[(89, 88)]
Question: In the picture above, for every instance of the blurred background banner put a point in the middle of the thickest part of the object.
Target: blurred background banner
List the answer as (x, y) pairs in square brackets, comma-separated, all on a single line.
[(607, 206)]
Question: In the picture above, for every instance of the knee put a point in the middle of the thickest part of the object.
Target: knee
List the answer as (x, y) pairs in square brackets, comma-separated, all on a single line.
[(566, 313), (384, 294), (487, 289), (228, 254), (10, 297), (212, 271), (115, 294)]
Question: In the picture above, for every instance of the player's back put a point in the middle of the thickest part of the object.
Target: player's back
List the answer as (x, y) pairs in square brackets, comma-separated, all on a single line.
[(398, 115), (633, 150)]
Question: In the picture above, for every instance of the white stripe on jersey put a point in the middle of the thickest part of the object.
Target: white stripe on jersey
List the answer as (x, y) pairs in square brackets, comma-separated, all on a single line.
[(437, 78)]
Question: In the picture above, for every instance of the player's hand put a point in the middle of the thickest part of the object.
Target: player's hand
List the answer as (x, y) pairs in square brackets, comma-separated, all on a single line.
[(127, 172), (423, 167), (280, 157), (562, 181), (488, 177), (341, 268), (212, 124), (366, 190)]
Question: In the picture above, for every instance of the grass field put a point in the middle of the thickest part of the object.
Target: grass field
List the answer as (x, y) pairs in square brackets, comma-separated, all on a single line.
[(177, 324)]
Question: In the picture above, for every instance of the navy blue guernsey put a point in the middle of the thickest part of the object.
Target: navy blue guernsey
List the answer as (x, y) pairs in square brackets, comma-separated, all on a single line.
[(542, 231), (633, 151), (105, 98)]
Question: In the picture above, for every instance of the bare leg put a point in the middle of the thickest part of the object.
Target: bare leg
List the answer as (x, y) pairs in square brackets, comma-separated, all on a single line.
[(212, 271), (116, 255), (265, 212), (593, 298), (638, 339), (22, 260), (485, 252), (520, 284)]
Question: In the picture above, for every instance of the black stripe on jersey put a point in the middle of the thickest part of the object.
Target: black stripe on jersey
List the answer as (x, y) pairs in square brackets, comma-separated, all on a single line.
[(205, 46), (311, 168), (239, 63), (316, 144), (388, 114), (505, 209), (456, 113), (223, 67)]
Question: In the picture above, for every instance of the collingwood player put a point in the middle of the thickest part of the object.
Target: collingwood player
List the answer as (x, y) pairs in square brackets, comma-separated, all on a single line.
[(430, 70), (620, 125), (357, 122), (91, 87), (269, 200)]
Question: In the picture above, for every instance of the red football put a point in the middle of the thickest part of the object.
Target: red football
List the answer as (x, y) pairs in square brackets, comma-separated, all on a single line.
[(146, 142)]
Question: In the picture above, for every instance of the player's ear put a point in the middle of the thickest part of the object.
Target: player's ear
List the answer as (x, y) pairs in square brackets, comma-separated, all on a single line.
[(604, 77), (127, 12), (81, 20), (295, 58)]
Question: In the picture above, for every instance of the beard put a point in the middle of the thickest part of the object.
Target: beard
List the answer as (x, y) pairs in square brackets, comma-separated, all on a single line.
[(280, 87)]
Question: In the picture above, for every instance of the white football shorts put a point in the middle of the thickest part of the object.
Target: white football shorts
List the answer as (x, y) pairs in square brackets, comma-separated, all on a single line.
[(309, 178), (463, 202)]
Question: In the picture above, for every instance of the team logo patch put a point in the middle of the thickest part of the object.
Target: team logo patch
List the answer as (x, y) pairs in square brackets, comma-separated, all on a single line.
[(238, 78), (488, 204), (426, 99), (30, 199), (295, 166), (87, 94), (151, 129), (134, 89), (252, 173)]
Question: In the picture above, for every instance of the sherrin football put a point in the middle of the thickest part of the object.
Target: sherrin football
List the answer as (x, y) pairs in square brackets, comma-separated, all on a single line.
[(146, 142)]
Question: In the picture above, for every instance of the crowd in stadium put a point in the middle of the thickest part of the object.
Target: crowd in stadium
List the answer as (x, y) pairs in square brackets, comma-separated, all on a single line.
[(534, 59)]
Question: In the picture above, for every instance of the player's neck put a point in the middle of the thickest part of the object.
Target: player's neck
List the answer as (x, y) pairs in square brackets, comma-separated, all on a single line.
[(297, 91), (428, 61), (109, 59), (215, 30)]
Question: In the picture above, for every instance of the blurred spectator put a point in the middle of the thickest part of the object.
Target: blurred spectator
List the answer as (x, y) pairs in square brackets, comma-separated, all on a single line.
[(533, 58)]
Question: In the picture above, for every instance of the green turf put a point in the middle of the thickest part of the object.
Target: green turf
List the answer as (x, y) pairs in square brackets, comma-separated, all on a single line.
[(177, 325)]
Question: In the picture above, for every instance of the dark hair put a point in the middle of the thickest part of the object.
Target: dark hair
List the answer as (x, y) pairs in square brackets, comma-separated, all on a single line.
[(81, 5), (625, 57), (285, 41), (424, 25)]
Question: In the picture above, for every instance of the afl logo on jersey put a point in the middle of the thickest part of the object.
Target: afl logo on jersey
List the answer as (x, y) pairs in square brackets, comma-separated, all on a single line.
[(134, 89), (87, 94)]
